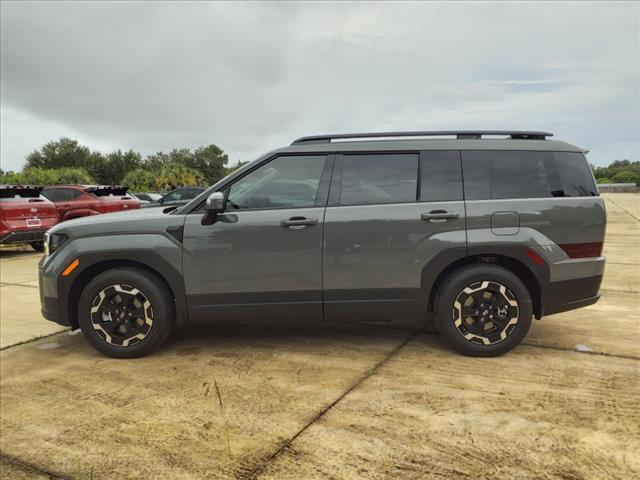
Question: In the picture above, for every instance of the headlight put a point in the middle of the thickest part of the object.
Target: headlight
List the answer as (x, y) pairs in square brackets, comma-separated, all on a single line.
[(52, 242)]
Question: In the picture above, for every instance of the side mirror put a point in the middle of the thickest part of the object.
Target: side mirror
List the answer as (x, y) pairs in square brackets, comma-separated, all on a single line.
[(215, 203)]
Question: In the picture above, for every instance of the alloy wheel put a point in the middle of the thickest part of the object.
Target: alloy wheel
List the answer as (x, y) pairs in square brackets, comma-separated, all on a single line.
[(122, 315), (485, 312)]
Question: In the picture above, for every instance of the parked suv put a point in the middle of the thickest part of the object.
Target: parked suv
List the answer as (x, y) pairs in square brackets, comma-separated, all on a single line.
[(25, 215), (480, 231), (75, 201), (176, 197)]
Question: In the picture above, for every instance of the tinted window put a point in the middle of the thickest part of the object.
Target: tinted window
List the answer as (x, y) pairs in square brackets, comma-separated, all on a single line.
[(286, 182), (370, 179), (50, 194), (521, 174), (60, 194), (440, 176), (175, 196)]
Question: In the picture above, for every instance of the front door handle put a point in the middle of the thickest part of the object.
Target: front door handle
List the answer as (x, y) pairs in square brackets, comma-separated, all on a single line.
[(439, 216), (299, 222)]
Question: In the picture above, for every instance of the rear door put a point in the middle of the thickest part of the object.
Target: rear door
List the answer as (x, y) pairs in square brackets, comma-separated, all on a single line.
[(383, 226)]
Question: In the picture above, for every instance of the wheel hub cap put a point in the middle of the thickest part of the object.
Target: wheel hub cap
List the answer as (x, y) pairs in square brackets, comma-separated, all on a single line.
[(485, 312), (121, 315)]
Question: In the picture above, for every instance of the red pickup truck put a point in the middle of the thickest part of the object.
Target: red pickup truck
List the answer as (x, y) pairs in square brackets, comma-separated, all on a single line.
[(25, 215), (74, 201)]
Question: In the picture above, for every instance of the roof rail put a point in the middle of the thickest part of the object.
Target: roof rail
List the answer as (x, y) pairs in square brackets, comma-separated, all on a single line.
[(460, 134)]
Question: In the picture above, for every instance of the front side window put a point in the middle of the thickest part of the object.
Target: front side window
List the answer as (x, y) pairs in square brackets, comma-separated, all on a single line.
[(525, 174), (285, 182), (378, 179)]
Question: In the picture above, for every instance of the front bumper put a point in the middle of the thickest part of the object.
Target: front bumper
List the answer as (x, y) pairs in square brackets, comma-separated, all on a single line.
[(51, 306)]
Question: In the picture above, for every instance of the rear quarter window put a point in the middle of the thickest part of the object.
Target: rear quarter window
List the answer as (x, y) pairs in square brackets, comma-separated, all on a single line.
[(526, 174)]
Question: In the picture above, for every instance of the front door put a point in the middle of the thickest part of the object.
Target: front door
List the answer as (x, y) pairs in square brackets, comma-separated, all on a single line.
[(262, 258)]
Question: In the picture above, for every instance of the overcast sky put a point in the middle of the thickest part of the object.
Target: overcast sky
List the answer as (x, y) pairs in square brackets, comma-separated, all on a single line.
[(250, 77)]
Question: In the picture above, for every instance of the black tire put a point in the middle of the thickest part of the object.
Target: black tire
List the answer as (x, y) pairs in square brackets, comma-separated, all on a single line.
[(155, 319), (478, 335), (37, 246)]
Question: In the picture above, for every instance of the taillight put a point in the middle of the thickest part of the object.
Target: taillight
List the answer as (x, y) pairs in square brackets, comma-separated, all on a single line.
[(582, 250)]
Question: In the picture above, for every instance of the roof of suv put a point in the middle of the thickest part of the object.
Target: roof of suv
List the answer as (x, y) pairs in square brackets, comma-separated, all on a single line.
[(431, 140)]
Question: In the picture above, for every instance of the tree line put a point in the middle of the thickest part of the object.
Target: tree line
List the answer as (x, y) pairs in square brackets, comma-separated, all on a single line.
[(619, 171), (66, 161)]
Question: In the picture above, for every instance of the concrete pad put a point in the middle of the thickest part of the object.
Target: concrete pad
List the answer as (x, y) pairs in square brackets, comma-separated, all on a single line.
[(13, 471), (627, 202), (610, 327), (20, 317), (626, 253), (19, 269), (621, 277), (212, 403), (428, 413)]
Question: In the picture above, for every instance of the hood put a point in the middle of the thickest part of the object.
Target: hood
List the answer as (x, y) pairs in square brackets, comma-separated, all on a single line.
[(130, 222)]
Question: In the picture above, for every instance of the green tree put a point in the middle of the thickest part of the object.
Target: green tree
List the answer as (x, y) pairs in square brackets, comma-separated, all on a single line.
[(625, 176), (74, 176), (40, 176), (62, 153), (115, 165), (211, 161), (235, 167), (176, 174), (140, 180)]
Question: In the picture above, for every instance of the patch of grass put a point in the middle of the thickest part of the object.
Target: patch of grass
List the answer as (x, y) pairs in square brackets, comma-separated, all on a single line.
[(81, 474)]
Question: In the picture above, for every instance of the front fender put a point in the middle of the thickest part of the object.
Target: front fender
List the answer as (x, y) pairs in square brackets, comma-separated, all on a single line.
[(157, 252)]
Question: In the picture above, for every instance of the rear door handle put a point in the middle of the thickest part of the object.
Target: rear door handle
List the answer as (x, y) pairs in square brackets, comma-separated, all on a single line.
[(438, 216), (299, 222)]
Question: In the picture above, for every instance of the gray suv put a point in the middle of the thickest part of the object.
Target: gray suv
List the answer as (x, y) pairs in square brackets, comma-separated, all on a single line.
[(477, 231)]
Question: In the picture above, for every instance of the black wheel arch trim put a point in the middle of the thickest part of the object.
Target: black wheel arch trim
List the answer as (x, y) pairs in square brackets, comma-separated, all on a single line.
[(536, 277), (91, 264)]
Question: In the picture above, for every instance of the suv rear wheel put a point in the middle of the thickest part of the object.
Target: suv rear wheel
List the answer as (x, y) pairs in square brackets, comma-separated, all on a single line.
[(126, 312), (483, 310)]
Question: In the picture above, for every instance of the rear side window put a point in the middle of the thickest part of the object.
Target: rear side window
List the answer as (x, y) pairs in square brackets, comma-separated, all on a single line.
[(375, 179), (522, 174), (440, 176)]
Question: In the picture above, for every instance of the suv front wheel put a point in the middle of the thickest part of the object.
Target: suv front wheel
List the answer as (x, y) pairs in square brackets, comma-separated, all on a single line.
[(126, 312), (483, 310)]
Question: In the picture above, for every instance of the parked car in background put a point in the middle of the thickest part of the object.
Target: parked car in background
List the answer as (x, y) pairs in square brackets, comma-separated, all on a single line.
[(147, 197), (25, 215), (177, 197), (75, 201)]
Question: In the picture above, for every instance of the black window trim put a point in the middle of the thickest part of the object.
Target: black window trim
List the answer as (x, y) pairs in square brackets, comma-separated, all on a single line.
[(425, 153), (335, 192), (327, 170)]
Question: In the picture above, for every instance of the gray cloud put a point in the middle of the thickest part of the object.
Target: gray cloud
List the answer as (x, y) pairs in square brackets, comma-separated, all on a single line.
[(251, 76)]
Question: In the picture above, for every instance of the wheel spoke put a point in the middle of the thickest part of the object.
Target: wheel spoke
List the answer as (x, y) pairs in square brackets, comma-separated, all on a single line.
[(483, 312), (121, 315)]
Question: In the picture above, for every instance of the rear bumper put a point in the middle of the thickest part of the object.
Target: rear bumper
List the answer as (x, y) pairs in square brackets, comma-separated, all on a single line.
[(23, 236), (571, 294)]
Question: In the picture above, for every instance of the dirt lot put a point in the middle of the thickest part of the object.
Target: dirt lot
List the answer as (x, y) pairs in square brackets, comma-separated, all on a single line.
[(303, 401)]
